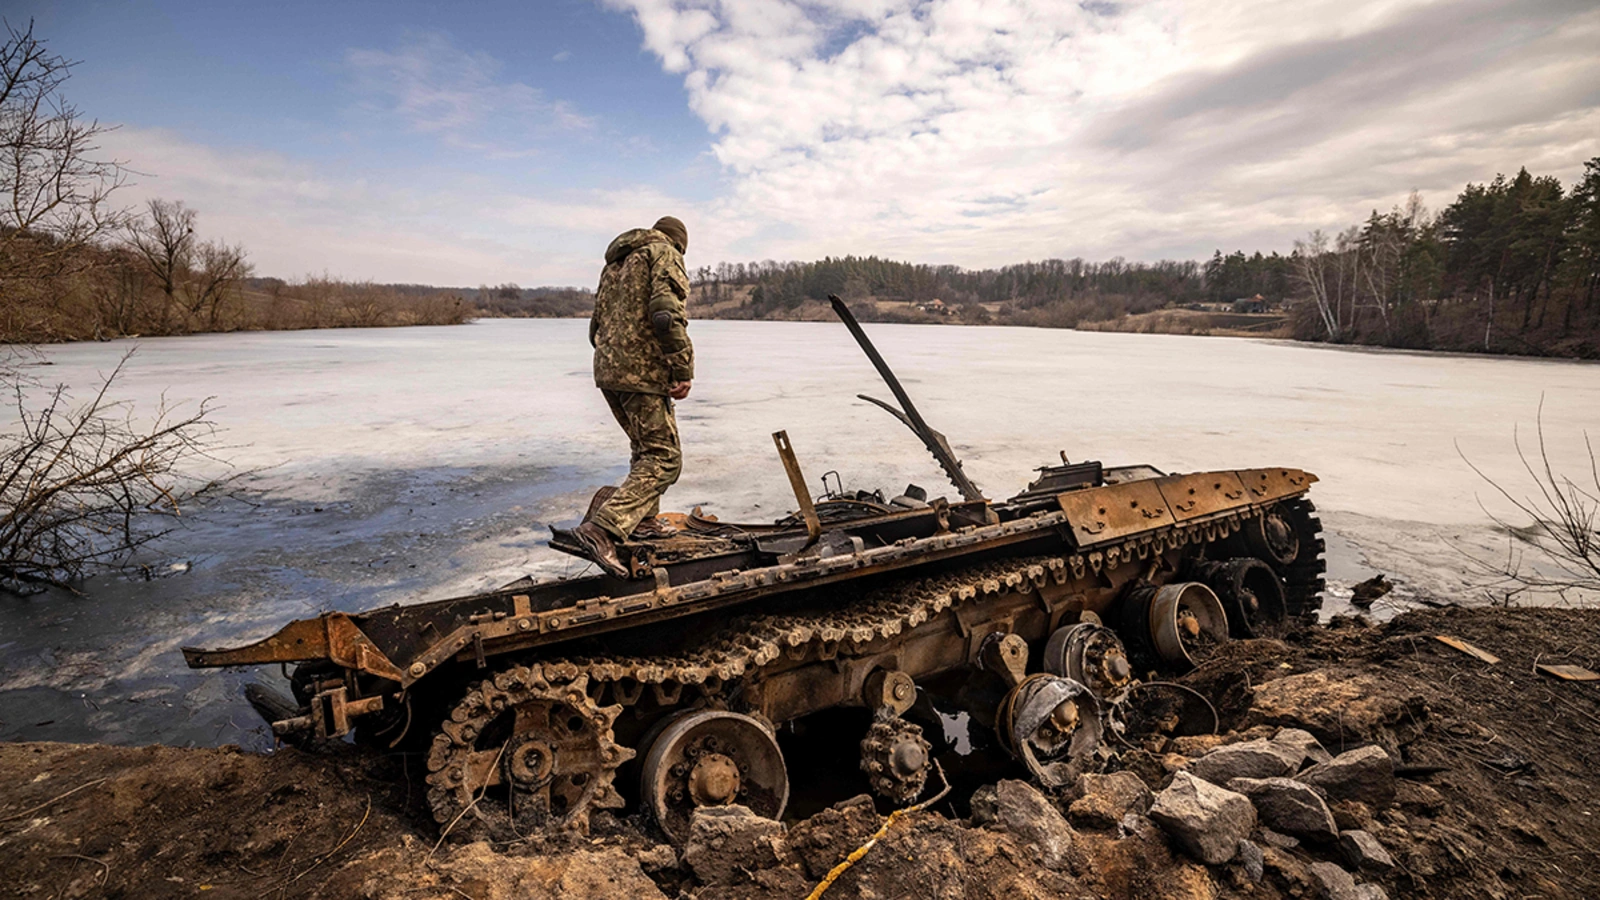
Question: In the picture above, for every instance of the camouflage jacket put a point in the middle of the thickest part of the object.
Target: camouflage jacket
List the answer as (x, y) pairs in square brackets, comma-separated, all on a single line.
[(644, 274)]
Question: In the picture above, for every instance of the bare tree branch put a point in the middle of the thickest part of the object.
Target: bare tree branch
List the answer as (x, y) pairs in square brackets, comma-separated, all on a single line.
[(83, 487), (1562, 526)]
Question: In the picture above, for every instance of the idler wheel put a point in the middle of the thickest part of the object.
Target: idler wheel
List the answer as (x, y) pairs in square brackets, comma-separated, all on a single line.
[(1052, 724), (1251, 594), (712, 758), (1092, 655)]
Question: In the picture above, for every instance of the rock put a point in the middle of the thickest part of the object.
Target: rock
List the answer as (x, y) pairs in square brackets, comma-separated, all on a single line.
[(727, 841), (576, 875), (1103, 800), (1274, 839), (1019, 808), (1333, 883), (1350, 815), (1339, 711), (1371, 892), (1251, 759), (1288, 806), (829, 836), (607, 874), (1196, 744), (1173, 762), (1287, 867), (1298, 740), (1207, 821), (1364, 853), (1419, 798), (1253, 860), (1365, 775), (660, 858)]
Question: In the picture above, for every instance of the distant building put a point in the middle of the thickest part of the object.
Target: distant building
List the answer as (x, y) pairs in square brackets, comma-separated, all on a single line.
[(935, 307), (1256, 304)]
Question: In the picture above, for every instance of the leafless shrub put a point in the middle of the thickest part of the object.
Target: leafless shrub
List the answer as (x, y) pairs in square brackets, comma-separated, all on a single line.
[(1562, 528), (82, 487)]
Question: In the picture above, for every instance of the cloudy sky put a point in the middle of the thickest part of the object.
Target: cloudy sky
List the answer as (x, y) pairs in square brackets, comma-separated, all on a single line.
[(509, 141)]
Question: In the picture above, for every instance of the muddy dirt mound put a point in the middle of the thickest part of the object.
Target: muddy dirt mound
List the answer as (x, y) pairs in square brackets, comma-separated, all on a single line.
[(1350, 761)]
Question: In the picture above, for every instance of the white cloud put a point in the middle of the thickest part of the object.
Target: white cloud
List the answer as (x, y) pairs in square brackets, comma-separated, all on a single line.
[(987, 132)]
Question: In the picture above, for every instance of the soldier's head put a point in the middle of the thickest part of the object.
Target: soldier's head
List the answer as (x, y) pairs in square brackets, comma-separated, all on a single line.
[(673, 228)]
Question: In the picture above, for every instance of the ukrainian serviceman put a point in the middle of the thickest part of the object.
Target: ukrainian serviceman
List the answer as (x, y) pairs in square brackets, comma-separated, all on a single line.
[(643, 361)]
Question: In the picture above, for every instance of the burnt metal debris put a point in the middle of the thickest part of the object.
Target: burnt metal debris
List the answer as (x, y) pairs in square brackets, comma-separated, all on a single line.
[(541, 702)]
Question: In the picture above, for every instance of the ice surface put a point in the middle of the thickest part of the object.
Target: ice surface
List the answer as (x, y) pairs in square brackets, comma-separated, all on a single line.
[(402, 464)]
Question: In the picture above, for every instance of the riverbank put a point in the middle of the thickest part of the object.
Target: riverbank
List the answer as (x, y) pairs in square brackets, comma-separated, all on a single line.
[(1491, 796)]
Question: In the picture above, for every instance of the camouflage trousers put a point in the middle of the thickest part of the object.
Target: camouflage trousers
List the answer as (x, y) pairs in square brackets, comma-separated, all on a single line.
[(655, 461)]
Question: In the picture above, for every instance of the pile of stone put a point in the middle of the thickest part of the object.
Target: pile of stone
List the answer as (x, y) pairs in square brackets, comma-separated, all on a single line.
[(1251, 801), (1268, 805)]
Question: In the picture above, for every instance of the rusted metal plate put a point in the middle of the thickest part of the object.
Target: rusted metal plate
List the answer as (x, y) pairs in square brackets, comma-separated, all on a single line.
[(1202, 494), (1568, 673), (330, 636), (1468, 649), (1266, 485), (1111, 513), (296, 641)]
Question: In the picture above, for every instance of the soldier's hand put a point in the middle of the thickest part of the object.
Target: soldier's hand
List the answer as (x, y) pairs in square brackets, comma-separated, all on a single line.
[(678, 390)]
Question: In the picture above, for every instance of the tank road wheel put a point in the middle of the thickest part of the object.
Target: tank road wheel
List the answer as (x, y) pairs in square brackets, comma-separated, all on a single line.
[(1252, 594), (1052, 724), (520, 752), (896, 758), (712, 758), (1179, 623), (1091, 655)]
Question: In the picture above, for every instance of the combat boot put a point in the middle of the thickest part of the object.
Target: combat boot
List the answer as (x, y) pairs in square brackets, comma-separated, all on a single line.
[(601, 548), (651, 529)]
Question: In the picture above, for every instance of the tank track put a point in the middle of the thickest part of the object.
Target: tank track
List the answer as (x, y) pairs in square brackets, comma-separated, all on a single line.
[(747, 644), (1305, 578), (743, 647)]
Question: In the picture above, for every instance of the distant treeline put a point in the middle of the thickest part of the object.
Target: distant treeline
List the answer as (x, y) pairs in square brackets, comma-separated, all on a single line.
[(1512, 266), (1051, 293), (511, 301)]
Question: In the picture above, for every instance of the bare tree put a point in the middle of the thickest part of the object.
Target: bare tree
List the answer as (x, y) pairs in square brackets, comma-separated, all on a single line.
[(82, 487), (164, 239), (196, 277), (216, 277), (55, 188), (1562, 527)]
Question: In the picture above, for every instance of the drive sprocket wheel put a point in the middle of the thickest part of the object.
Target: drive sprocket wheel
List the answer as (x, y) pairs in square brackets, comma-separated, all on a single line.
[(896, 758), (521, 751)]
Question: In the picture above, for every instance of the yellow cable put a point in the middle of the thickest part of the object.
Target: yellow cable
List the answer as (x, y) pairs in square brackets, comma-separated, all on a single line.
[(855, 856)]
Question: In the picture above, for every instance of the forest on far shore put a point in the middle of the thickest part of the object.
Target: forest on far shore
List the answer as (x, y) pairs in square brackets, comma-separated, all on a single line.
[(1510, 266)]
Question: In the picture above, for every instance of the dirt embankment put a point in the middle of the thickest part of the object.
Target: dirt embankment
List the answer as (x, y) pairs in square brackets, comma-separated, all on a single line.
[(1487, 789)]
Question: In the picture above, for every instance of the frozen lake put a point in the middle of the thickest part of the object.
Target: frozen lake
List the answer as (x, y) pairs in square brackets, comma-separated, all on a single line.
[(412, 463)]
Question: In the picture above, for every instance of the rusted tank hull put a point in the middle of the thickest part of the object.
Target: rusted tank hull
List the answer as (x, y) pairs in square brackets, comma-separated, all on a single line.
[(775, 635)]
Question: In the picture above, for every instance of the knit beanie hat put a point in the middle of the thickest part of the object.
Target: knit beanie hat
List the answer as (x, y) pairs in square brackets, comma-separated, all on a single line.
[(673, 228)]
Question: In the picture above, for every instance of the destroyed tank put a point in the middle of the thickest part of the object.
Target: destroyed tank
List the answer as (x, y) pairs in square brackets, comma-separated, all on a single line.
[(539, 703)]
